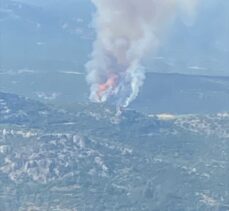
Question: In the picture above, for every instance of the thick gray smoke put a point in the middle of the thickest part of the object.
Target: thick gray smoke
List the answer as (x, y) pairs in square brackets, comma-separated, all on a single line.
[(126, 31)]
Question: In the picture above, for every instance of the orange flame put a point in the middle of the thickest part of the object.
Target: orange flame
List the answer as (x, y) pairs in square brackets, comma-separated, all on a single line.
[(109, 84)]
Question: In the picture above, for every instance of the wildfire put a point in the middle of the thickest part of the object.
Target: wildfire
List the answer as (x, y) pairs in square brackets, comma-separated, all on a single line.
[(110, 84)]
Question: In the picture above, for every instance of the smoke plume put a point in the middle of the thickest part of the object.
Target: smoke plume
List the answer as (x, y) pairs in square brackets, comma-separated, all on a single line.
[(126, 30)]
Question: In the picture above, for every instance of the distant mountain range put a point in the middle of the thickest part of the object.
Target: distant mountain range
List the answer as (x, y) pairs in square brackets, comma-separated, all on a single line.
[(44, 37), (94, 159), (50, 35), (161, 93), (179, 94)]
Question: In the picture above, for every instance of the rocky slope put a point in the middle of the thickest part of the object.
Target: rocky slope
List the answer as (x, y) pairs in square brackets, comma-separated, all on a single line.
[(96, 160)]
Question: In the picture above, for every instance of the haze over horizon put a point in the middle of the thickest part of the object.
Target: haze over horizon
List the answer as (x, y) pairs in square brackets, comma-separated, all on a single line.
[(58, 35)]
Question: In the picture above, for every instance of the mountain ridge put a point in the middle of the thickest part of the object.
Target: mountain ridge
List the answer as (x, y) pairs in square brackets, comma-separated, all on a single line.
[(87, 161)]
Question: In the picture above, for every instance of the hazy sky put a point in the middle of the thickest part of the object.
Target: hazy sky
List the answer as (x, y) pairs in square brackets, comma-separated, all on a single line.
[(34, 33)]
